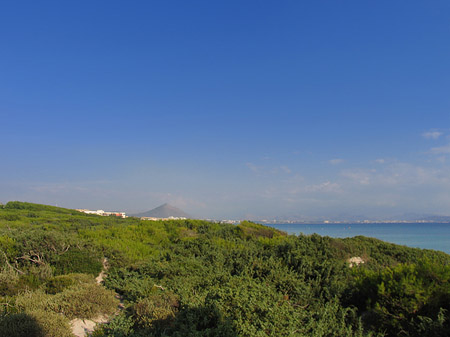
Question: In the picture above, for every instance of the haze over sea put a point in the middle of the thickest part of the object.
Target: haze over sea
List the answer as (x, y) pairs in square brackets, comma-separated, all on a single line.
[(421, 235)]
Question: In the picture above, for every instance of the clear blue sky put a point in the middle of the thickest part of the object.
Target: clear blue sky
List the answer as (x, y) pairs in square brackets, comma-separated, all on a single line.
[(227, 109)]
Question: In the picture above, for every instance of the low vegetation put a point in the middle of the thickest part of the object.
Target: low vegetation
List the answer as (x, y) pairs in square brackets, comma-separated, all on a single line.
[(195, 278)]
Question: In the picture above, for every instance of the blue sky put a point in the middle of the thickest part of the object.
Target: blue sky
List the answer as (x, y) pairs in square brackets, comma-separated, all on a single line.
[(227, 109)]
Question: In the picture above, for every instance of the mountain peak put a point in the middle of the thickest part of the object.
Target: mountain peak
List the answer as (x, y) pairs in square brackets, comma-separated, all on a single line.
[(164, 211)]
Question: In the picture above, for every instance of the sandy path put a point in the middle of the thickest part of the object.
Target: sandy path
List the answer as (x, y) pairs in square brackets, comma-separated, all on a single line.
[(99, 279), (84, 327)]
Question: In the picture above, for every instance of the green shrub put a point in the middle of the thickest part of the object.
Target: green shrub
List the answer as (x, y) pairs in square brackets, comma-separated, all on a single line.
[(7, 246), (334, 321), (58, 283), (32, 301), (86, 301), (129, 284), (8, 281), (119, 326), (27, 282), (53, 324), (19, 205), (155, 309), (205, 321), (398, 298), (11, 217), (250, 229), (32, 280), (78, 261)]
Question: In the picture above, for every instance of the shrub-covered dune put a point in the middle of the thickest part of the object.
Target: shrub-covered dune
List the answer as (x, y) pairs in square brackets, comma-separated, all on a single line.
[(195, 278)]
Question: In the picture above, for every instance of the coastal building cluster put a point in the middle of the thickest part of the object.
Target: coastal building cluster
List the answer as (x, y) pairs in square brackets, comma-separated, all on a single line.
[(232, 222), (103, 213)]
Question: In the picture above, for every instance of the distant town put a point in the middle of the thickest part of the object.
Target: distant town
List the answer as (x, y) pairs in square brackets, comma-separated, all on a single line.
[(103, 213), (123, 215)]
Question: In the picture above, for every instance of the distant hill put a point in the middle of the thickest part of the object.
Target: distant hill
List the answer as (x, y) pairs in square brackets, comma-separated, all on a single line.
[(437, 218), (164, 211)]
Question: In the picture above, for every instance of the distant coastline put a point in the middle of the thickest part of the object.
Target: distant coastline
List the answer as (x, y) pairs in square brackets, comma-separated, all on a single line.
[(321, 222)]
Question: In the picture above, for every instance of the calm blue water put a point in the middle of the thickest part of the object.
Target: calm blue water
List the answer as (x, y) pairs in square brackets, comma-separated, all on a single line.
[(421, 235)]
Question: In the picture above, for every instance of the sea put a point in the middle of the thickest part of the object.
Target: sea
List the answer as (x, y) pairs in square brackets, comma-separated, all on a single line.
[(434, 236)]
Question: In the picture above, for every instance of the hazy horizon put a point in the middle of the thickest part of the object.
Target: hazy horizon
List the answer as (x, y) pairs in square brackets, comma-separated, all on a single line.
[(227, 110)]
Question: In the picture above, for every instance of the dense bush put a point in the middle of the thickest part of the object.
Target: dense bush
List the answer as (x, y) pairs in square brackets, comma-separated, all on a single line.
[(118, 326), (154, 310), (19, 205), (86, 301), (401, 299), (57, 284), (77, 261)]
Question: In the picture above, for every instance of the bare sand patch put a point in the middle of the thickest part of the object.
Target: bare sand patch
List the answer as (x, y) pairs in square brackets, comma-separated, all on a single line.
[(355, 261)]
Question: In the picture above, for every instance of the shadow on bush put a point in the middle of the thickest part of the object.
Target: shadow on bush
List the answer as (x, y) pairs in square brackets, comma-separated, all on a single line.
[(204, 321), (20, 325), (195, 321), (35, 323)]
